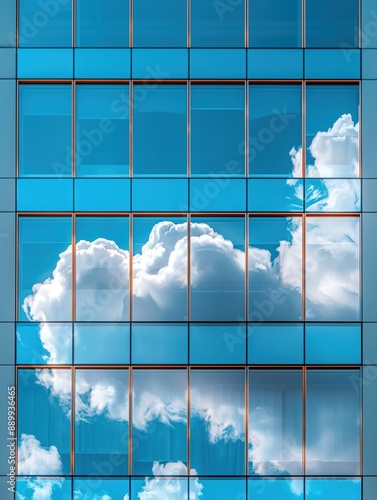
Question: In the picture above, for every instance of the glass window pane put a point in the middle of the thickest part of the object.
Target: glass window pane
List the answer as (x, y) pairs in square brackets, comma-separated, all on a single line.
[(39, 488), (275, 269), (275, 422), (102, 269), (275, 135), (102, 131), (333, 422), (45, 268), (217, 129), (325, 27), (160, 130), (101, 488), (162, 343), (103, 23), (328, 489), (276, 344), (332, 195), (44, 428), (44, 109), (102, 414), (217, 488), (332, 133), (217, 24), (160, 23), (45, 24), (217, 269), (218, 344), (102, 344), (333, 344), (217, 421), (276, 489), (274, 23), (159, 269), (44, 343), (332, 269), (159, 419), (275, 195), (160, 487)]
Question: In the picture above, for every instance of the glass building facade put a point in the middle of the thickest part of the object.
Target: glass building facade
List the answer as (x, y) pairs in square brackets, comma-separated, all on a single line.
[(187, 250)]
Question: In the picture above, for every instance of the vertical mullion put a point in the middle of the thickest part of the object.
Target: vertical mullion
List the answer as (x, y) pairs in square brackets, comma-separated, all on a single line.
[(130, 266), (303, 266), (247, 370), (130, 401), (188, 421), (304, 420), (73, 418)]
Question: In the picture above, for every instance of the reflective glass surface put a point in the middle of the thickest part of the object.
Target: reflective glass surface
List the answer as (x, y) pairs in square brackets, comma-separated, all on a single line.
[(102, 344), (333, 422), (102, 23), (101, 424), (45, 269), (275, 135), (161, 343), (217, 129), (275, 422), (161, 23), (102, 130), (275, 24), (275, 268), (159, 420), (217, 421), (102, 269), (159, 130), (217, 269), (43, 109)]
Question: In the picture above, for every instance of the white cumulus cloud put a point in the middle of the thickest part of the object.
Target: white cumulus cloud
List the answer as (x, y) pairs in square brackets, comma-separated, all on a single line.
[(33, 459)]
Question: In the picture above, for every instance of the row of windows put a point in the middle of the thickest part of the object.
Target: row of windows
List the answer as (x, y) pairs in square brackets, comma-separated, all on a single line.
[(182, 343), (197, 422), (212, 23), (270, 268), (200, 130), (203, 488)]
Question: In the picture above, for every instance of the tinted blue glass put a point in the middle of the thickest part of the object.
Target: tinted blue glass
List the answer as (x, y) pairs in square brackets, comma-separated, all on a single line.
[(104, 63), (217, 269), (44, 195), (44, 432), (54, 489), (219, 194), (45, 23), (45, 63), (217, 421), (101, 444), (106, 344), (218, 63), (160, 487), (275, 135), (217, 128), (44, 343), (102, 269), (159, 195), (102, 131), (159, 419), (332, 23), (275, 195), (332, 268), (276, 344), (159, 344), (218, 344), (276, 489), (275, 63), (275, 422), (45, 259), (43, 109), (217, 24), (161, 23), (332, 195), (327, 489), (333, 422), (275, 24), (160, 130), (332, 131), (214, 489), (102, 23), (101, 488), (159, 269), (102, 195), (326, 64), (275, 269), (333, 344)]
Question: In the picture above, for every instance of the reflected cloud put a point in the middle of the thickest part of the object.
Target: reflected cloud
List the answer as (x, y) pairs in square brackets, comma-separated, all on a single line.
[(33, 459)]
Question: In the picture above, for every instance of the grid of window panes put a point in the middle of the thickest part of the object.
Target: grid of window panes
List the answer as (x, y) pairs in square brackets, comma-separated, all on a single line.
[(189, 321)]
